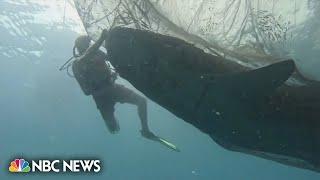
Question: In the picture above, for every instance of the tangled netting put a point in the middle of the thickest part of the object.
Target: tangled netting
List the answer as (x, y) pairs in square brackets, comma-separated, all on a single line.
[(250, 32)]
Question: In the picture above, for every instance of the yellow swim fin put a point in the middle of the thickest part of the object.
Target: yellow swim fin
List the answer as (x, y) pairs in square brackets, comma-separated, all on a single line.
[(167, 144)]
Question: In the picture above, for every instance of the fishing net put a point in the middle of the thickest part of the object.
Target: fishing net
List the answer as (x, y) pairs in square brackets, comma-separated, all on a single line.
[(251, 32)]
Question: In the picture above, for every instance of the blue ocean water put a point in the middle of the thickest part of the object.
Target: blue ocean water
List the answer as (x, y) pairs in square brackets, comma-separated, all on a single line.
[(44, 114)]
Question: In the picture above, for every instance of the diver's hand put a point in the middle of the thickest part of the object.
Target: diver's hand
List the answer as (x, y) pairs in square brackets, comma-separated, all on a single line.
[(147, 134)]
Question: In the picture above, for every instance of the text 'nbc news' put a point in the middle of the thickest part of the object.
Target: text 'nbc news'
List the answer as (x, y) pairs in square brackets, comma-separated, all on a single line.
[(56, 166)]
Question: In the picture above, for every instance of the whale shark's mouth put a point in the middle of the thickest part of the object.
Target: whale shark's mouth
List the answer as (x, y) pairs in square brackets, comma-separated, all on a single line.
[(252, 33)]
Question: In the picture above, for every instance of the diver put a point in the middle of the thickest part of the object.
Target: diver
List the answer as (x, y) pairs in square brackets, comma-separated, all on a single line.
[(96, 78)]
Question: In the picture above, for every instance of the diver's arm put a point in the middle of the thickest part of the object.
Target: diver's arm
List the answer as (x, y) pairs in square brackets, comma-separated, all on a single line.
[(95, 47)]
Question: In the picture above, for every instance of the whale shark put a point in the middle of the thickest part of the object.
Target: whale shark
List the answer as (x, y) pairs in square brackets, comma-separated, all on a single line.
[(249, 111)]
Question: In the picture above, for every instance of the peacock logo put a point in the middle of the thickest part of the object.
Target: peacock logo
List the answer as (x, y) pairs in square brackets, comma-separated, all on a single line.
[(19, 165)]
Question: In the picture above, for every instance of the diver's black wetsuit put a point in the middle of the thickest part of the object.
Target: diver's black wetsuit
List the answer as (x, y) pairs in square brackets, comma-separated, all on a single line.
[(97, 79)]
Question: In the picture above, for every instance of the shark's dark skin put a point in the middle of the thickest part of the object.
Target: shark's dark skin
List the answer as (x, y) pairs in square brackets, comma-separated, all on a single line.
[(252, 112), (97, 79)]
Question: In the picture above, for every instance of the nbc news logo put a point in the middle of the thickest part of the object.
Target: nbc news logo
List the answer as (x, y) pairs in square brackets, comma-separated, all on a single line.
[(73, 166), (19, 165)]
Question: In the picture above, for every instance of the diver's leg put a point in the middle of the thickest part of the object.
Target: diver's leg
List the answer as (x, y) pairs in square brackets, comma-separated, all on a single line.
[(141, 103), (107, 113), (125, 95), (105, 104)]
